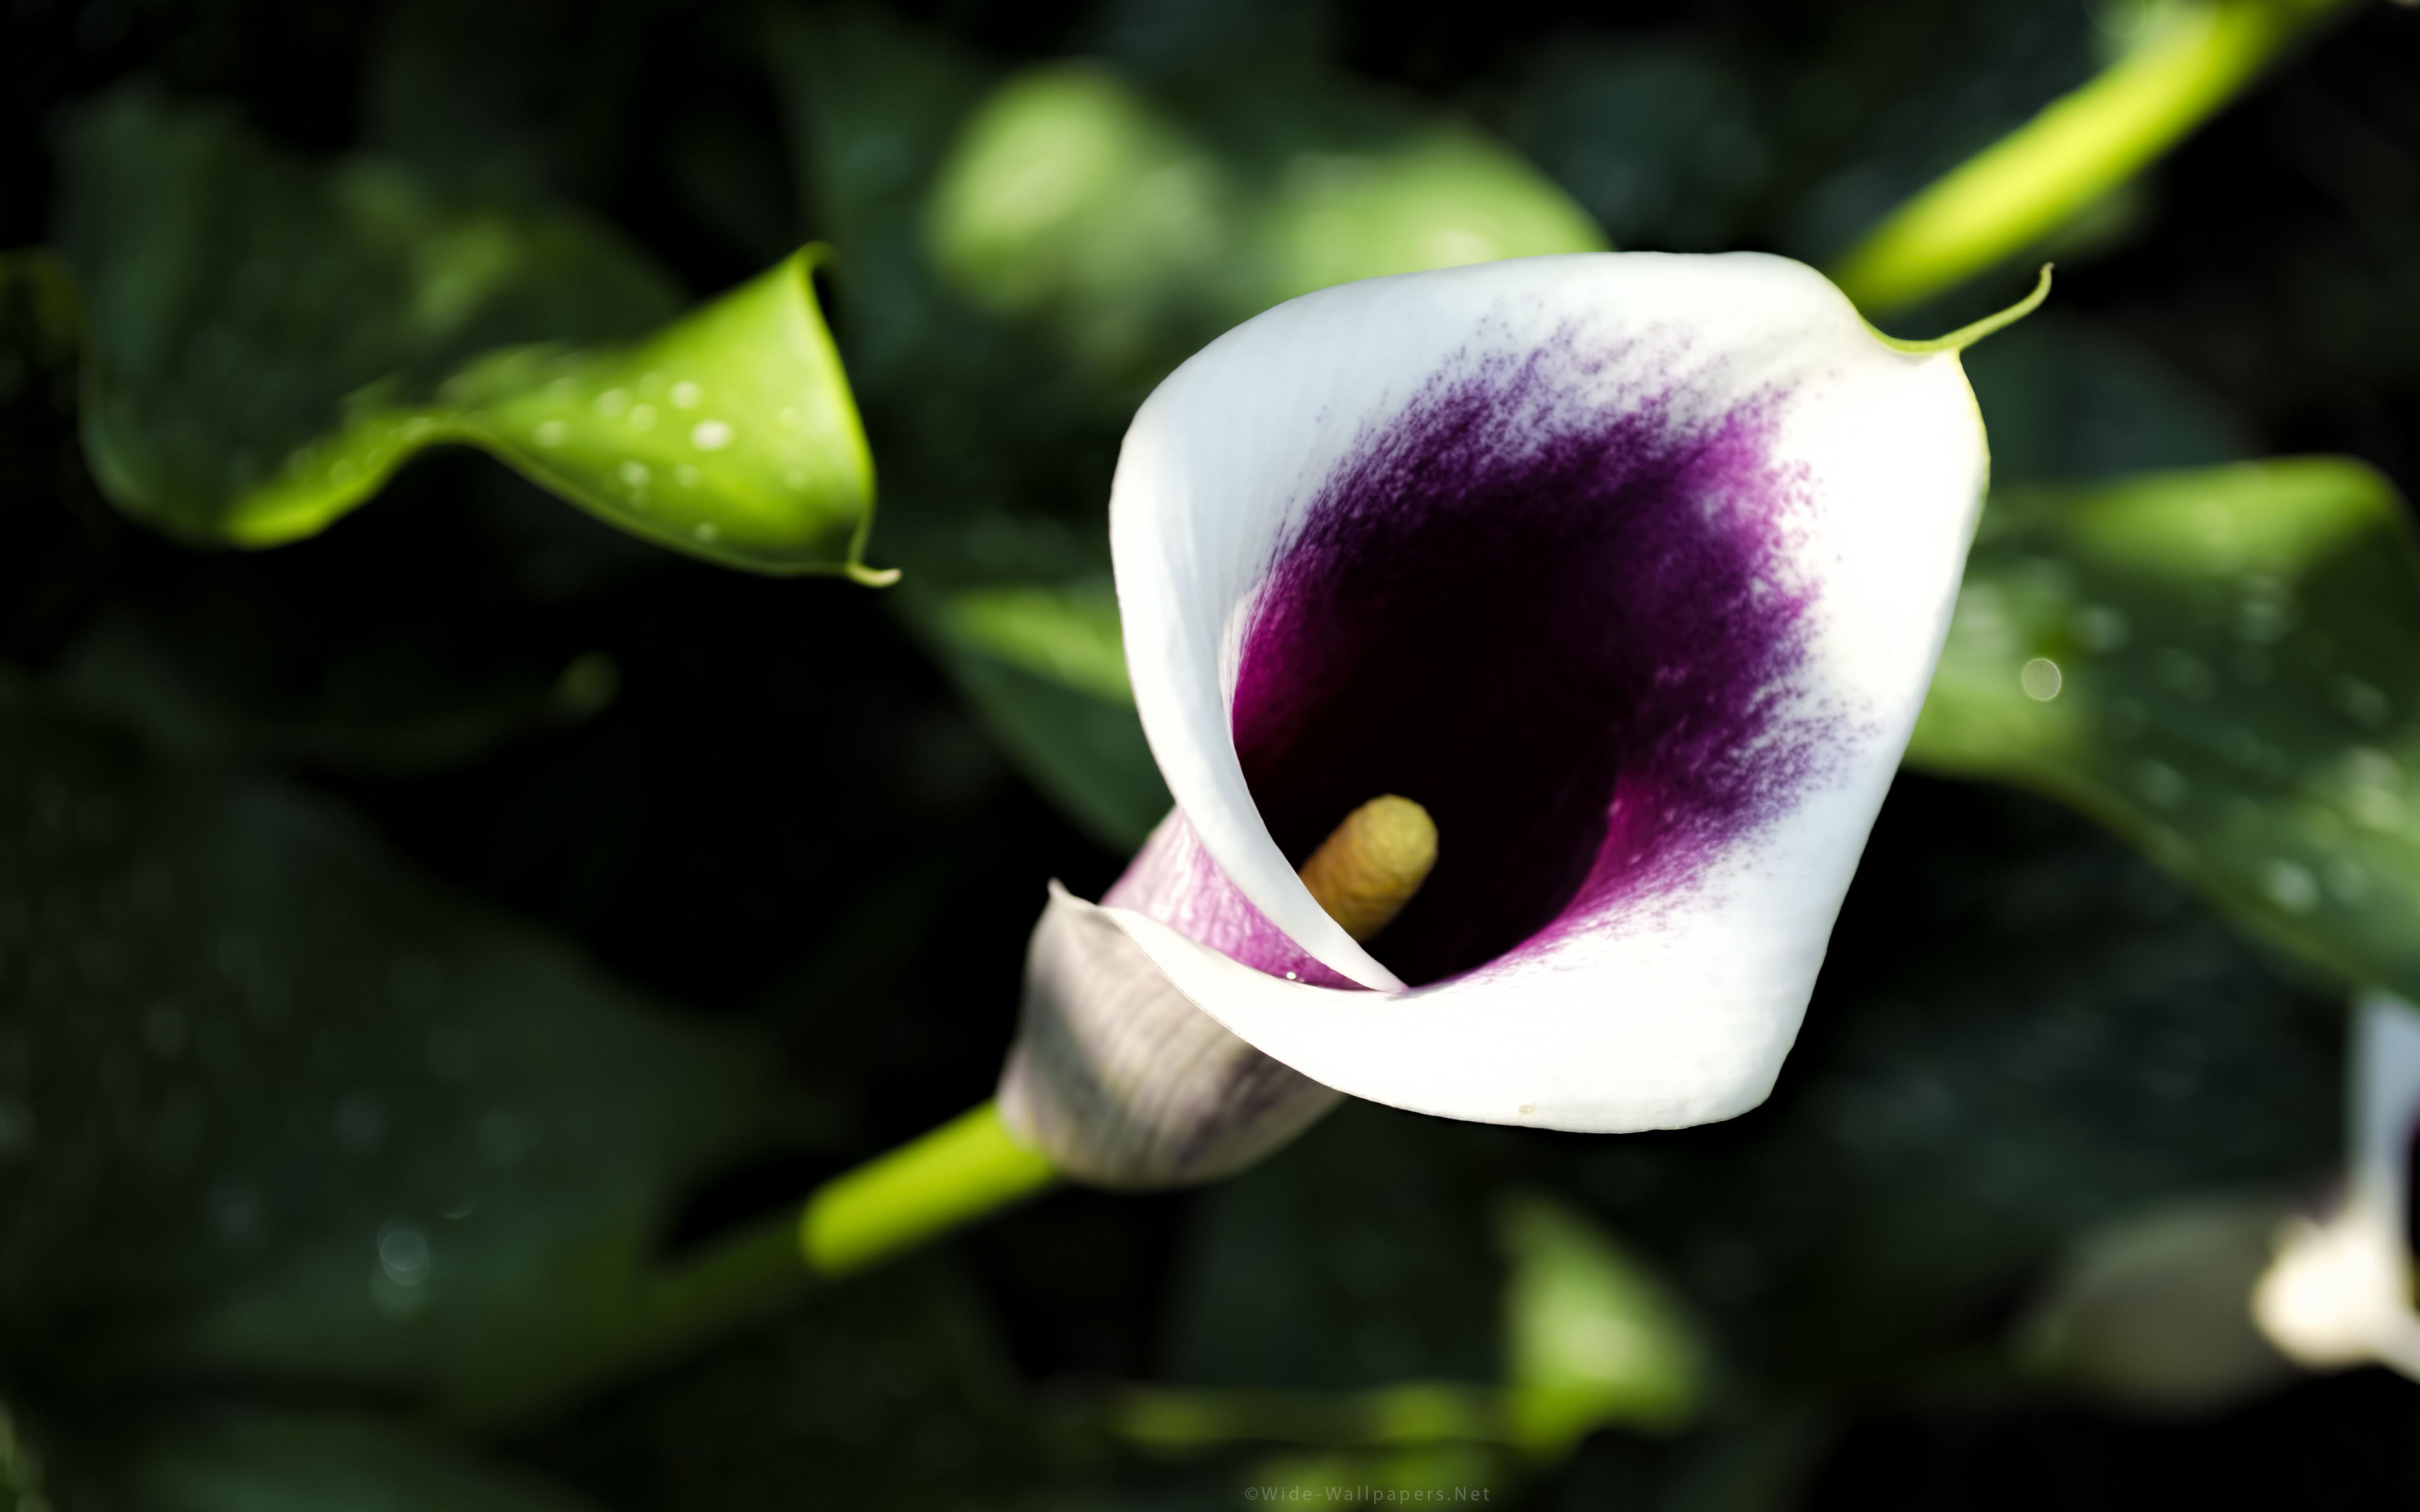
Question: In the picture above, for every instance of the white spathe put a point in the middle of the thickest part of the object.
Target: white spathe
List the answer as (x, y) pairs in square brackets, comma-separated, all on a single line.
[(1657, 1018), (2340, 1291)]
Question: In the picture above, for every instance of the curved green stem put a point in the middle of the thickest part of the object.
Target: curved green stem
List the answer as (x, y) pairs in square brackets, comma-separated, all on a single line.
[(2010, 196), (966, 1169)]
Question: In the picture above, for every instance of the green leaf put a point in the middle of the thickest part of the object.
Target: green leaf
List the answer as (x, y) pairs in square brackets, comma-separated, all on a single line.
[(730, 435), (235, 296), (285, 1462), (2222, 666), (1592, 1335), (270, 340), (358, 1133), (1044, 668)]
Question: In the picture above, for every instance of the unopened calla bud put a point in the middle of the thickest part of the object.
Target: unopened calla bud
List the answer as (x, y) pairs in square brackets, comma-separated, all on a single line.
[(1120, 1080)]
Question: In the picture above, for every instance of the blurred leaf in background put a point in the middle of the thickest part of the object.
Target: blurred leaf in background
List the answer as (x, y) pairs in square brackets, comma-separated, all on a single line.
[(295, 1463), (2220, 665), (275, 1109)]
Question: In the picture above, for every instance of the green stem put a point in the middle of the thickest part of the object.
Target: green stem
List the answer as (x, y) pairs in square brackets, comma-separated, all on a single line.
[(2082, 145), (966, 1169)]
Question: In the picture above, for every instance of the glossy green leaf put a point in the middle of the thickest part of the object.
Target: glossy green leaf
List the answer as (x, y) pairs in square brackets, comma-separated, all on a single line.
[(1593, 1336), (730, 435), (358, 1133), (270, 340), (235, 296), (2224, 666), (288, 1462)]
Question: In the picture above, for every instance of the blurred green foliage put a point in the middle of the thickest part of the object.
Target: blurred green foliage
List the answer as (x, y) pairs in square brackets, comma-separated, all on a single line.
[(2220, 665), (437, 956)]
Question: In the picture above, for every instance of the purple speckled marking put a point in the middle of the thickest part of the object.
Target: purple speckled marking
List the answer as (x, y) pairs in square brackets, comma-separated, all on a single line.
[(1567, 628), (1174, 880)]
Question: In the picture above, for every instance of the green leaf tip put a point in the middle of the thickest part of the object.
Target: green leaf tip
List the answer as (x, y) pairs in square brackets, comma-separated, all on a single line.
[(729, 435), (1967, 335)]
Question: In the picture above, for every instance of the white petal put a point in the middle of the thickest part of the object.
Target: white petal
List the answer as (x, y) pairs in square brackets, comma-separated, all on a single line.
[(1646, 1004)]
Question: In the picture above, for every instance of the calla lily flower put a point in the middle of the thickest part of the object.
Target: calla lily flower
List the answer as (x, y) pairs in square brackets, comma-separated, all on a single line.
[(2340, 1291), (1632, 569)]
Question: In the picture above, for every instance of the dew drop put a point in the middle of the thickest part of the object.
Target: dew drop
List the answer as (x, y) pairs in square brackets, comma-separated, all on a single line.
[(685, 394), (2346, 880), (705, 531), (359, 1123), (2290, 885), (2183, 673), (2162, 785), (554, 433), (613, 402), (165, 1029), (2362, 702), (403, 1253), (2375, 808), (16, 1129), (452, 1054), (2100, 629), (633, 474), (2040, 679), (644, 417), (687, 476), (710, 435)]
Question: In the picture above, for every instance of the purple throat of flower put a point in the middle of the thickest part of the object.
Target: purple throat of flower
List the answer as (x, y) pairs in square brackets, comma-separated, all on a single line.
[(1570, 633)]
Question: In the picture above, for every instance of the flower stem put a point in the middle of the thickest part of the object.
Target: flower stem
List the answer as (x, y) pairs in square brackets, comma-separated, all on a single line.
[(2083, 145), (963, 1170), (966, 1169)]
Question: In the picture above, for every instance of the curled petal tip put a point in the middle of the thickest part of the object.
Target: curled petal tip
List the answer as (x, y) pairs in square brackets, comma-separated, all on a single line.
[(1967, 335)]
